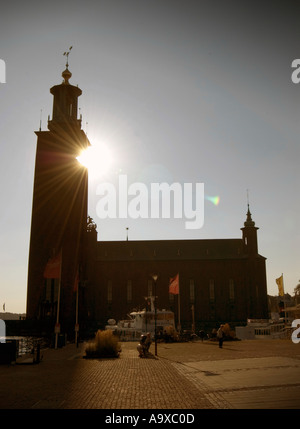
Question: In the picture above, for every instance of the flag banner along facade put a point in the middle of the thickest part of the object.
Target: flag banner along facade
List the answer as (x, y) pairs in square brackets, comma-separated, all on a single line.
[(174, 285), (52, 269), (279, 282)]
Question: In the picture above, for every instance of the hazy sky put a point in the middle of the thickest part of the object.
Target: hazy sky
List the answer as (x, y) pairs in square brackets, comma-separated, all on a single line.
[(180, 91)]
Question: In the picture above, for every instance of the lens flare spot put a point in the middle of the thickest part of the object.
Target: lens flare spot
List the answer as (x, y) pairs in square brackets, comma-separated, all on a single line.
[(215, 200)]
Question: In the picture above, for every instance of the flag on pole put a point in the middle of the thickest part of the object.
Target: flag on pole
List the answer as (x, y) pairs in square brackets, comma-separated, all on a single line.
[(279, 282), (174, 285), (52, 269)]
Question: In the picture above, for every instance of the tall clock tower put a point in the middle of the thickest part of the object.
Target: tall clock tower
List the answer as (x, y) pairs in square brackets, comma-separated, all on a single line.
[(59, 209)]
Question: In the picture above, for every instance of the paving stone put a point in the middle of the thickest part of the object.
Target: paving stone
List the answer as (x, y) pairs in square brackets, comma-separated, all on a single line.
[(183, 376)]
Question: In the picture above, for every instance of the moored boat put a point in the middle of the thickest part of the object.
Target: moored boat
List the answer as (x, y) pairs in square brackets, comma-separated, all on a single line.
[(143, 321)]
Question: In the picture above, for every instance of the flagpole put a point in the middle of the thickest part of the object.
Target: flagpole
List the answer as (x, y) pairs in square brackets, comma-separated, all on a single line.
[(155, 277), (57, 328), (76, 317), (280, 284), (174, 289), (284, 301), (193, 318), (179, 324)]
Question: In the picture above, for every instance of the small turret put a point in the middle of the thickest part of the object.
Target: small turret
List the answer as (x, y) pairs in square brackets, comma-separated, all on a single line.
[(250, 235)]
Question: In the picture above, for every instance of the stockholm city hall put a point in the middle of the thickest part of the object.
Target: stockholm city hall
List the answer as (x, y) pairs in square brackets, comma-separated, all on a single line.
[(83, 280)]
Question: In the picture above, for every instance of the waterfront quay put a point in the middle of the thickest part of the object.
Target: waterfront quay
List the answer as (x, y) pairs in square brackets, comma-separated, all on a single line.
[(247, 374)]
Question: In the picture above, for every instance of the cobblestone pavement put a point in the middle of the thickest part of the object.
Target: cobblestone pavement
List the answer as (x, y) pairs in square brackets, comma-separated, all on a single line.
[(244, 374)]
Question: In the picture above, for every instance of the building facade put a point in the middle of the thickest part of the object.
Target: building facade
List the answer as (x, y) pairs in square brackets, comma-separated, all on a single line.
[(221, 280)]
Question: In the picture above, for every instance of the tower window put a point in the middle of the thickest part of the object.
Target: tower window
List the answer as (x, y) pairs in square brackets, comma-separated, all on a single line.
[(211, 290), (192, 291), (51, 293)]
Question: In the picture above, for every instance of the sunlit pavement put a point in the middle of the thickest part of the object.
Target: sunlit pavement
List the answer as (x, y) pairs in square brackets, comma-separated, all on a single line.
[(257, 383), (253, 374)]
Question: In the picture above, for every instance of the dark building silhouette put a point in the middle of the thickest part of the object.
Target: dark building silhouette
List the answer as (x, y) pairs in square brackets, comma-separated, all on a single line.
[(221, 280), (59, 209)]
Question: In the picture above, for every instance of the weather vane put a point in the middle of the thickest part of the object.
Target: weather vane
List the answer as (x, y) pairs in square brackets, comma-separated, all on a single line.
[(67, 55)]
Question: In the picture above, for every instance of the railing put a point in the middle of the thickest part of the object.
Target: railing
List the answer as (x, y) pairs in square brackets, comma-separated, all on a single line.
[(27, 345), (277, 331)]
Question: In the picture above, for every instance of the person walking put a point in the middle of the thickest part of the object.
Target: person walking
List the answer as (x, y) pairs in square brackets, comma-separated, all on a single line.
[(220, 336)]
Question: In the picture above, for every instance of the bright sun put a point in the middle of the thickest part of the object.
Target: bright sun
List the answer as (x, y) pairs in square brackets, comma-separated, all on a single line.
[(97, 158)]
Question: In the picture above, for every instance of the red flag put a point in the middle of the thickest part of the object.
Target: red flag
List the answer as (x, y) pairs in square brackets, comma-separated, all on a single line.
[(52, 269), (174, 285)]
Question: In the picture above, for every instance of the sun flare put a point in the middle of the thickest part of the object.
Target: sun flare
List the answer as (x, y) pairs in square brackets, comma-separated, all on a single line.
[(97, 158)]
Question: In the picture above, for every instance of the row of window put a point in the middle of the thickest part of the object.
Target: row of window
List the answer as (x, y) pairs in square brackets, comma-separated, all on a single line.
[(178, 252), (150, 291), (52, 290)]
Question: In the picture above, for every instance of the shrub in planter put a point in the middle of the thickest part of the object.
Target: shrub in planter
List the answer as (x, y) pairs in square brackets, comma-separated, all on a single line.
[(229, 333), (105, 344)]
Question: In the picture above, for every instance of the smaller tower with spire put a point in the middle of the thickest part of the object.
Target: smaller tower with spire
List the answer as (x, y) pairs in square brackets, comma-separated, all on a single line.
[(250, 235)]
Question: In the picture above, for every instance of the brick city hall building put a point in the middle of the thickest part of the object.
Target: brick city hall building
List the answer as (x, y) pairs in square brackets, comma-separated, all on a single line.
[(221, 280)]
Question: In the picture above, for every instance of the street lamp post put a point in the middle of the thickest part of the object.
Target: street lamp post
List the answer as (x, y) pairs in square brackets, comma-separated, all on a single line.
[(155, 277)]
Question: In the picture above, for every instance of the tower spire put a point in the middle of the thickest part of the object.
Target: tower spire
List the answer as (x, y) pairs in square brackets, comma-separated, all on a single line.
[(249, 221), (250, 233)]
